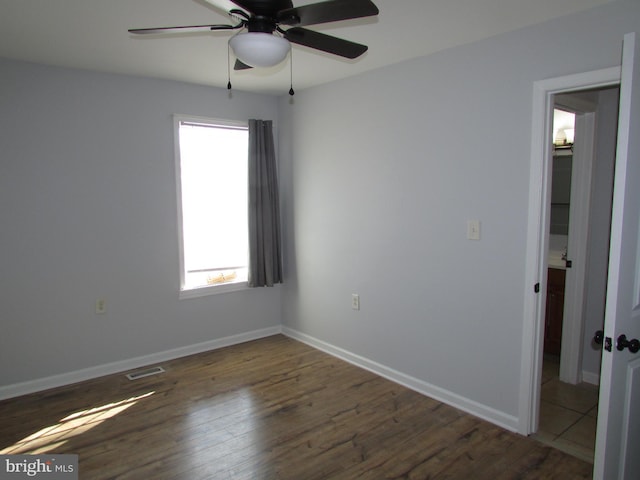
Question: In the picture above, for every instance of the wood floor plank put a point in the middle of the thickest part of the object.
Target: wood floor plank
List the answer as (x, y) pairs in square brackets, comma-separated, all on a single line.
[(268, 409)]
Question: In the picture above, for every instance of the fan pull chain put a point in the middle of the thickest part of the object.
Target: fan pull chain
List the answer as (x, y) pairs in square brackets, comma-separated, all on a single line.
[(291, 92), (228, 67)]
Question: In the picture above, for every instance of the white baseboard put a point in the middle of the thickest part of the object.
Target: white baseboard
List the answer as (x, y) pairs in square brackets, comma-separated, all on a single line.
[(590, 377), (496, 417), (501, 419), (32, 386)]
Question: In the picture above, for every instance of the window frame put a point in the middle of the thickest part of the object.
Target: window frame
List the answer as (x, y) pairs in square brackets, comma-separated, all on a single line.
[(204, 290)]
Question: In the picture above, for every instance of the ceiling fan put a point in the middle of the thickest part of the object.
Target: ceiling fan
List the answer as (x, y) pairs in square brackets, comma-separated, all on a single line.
[(266, 43)]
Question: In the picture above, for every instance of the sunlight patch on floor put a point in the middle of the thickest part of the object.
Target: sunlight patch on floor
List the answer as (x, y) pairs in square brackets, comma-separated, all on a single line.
[(52, 437)]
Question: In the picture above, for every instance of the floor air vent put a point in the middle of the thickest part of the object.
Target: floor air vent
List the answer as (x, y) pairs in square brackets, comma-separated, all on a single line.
[(147, 372)]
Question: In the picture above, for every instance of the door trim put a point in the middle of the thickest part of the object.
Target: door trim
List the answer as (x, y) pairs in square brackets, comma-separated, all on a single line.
[(580, 205), (538, 232)]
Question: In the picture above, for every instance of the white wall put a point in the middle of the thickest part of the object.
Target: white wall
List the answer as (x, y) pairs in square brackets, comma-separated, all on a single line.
[(379, 172), (88, 210), (382, 172)]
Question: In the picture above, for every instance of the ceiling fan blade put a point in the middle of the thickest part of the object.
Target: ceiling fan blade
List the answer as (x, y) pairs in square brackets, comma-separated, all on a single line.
[(185, 29), (331, 11), (326, 43), (241, 66)]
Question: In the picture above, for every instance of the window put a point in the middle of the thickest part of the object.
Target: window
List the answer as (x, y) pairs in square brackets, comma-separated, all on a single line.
[(211, 175)]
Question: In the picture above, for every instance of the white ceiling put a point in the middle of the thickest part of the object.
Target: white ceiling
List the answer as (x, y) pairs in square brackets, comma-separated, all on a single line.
[(92, 34)]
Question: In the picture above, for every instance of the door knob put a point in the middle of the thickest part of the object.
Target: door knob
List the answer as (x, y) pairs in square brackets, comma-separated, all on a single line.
[(598, 337), (633, 345)]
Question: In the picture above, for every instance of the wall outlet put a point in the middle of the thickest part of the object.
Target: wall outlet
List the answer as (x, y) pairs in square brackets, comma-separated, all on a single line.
[(355, 301), (101, 306)]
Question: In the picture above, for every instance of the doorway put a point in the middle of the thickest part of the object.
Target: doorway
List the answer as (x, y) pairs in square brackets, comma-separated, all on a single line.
[(591, 96), (582, 162), (579, 225)]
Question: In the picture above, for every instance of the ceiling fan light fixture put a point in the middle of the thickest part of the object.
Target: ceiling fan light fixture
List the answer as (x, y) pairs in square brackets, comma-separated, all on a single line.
[(259, 49)]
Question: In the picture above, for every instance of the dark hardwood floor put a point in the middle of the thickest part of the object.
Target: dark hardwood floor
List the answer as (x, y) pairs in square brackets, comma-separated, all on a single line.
[(269, 409)]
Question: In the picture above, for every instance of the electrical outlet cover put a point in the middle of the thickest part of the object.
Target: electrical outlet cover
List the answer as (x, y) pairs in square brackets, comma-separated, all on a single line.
[(355, 301)]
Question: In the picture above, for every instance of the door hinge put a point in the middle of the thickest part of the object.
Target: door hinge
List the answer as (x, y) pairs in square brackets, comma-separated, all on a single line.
[(536, 288)]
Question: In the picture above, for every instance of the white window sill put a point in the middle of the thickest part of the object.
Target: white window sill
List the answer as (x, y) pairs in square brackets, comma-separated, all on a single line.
[(207, 290)]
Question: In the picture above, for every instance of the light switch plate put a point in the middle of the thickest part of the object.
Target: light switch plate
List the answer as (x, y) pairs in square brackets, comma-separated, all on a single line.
[(473, 229)]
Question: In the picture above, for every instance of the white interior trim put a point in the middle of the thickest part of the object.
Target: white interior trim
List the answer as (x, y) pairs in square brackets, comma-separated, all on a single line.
[(580, 205), (10, 391), (496, 417), (537, 233)]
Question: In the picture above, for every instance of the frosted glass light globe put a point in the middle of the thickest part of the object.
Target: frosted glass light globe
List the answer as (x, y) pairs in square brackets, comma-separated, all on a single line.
[(258, 49)]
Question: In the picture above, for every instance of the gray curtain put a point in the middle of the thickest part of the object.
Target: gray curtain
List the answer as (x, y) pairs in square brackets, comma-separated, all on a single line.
[(265, 261)]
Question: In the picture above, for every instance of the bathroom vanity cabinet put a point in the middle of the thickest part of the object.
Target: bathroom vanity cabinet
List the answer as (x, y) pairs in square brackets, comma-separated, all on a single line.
[(554, 311)]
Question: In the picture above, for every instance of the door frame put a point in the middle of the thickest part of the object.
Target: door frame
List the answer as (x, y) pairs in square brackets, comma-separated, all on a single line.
[(536, 258), (577, 249)]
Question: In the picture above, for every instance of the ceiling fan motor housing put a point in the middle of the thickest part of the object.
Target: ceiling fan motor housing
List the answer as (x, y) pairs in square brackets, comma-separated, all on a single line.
[(261, 24), (267, 8)]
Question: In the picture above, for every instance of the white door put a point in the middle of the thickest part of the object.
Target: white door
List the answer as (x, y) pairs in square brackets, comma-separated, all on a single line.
[(618, 437)]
